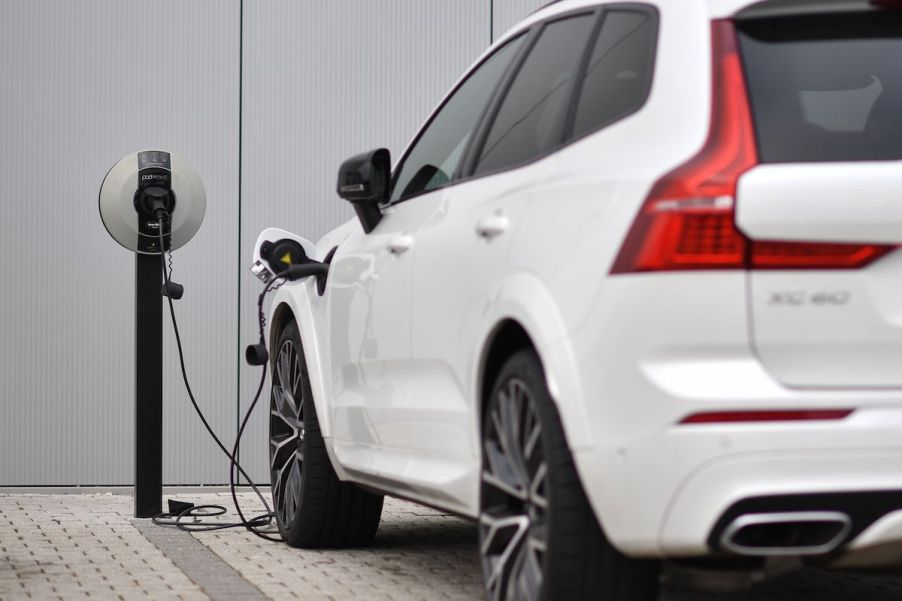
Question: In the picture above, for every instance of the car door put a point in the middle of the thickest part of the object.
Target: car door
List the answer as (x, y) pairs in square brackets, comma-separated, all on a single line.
[(371, 286), (461, 251)]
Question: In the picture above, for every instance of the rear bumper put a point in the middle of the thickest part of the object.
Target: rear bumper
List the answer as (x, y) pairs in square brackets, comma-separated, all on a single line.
[(862, 483), (660, 348), (878, 546), (670, 494)]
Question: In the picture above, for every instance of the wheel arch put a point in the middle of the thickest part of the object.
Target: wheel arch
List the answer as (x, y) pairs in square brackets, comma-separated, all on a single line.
[(281, 315), (293, 303), (525, 315), (507, 338)]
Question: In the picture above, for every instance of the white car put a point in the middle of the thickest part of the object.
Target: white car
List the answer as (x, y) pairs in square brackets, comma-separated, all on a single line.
[(630, 298)]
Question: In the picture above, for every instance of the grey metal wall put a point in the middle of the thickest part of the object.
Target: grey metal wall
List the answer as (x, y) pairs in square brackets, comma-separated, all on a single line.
[(320, 80), (80, 89), (366, 75), (506, 13)]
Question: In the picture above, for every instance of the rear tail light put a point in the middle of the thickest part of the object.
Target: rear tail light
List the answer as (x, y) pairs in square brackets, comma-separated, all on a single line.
[(726, 417), (687, 220)]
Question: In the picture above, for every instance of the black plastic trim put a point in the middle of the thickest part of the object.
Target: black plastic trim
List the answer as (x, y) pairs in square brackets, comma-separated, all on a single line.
[(580, 76), (568, 137), (321, 280), (465, 174), (653, 52), (471, 155), (413, 143), (786, 8)]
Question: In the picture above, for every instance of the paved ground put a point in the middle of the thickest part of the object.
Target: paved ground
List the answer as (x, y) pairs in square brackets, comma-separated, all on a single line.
[(89, 547)]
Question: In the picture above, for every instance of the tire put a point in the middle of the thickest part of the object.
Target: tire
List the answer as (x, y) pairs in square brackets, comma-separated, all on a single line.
[(538, 536), (313, 507)]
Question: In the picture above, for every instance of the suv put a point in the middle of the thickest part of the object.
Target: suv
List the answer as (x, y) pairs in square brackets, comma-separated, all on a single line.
[(631, 294)]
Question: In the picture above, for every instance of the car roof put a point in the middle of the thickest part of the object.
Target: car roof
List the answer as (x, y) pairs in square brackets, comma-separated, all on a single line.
[(559, 6), (716, 9)]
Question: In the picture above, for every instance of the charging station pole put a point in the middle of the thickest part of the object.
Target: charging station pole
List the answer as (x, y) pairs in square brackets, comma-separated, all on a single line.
[(148, 386), (137, 193)]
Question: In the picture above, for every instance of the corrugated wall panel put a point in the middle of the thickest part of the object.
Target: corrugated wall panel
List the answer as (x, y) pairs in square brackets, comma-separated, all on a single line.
[(207, 100), (74, 101), (323, 81), (507, 13)]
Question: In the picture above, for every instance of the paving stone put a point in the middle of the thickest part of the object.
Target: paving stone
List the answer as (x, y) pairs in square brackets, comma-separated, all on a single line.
[(80, 546), (87, 546)]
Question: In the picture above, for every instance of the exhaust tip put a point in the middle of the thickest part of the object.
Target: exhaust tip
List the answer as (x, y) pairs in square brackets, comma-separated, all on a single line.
[(788, 533)]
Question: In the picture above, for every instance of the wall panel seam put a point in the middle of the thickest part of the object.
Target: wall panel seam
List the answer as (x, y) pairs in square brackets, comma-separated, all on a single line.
[(238, 265)]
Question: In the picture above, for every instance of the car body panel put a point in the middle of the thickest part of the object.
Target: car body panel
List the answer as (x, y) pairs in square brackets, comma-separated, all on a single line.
[(397, 379), (837, 203)]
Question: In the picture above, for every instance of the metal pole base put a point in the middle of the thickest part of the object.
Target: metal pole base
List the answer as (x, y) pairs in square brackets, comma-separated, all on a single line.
[(148, 386)]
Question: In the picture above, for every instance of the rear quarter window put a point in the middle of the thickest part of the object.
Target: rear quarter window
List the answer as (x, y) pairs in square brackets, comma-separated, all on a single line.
[(531, 120), (619, 72)]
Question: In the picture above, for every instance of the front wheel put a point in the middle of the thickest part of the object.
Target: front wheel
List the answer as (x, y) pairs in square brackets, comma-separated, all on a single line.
[(538, 536), (313, 507)]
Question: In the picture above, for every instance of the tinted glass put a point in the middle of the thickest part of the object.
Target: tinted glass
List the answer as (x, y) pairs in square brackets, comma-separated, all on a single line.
[(532, 116), (436, 154), (619, 72), (826, 88)]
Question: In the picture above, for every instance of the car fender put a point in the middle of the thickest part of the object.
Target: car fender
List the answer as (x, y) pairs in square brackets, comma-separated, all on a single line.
[(522, 297), (308, 313)]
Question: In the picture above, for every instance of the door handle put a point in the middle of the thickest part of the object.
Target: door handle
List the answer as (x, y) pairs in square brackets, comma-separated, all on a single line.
[(400, 243), (492, 226)]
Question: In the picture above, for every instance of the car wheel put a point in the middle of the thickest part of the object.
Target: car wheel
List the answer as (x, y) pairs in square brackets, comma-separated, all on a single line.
[(538, 536), (313, 507)]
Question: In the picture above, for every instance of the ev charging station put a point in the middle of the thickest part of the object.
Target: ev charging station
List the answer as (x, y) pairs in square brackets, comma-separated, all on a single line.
[(151, 202)]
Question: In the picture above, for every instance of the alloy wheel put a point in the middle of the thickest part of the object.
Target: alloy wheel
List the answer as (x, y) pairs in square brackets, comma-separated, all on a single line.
[(286, 433), (513, 520)]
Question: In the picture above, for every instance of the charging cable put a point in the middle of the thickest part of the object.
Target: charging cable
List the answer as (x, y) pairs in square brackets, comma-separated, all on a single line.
[(261, 524)]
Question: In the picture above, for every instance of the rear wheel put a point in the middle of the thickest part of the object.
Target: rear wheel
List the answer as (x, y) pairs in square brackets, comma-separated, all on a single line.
[(313, 507), (538, 536)]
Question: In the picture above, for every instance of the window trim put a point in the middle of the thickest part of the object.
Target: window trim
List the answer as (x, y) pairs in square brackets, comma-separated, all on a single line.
[(464, 172), (483, 125), (527, 42), (569, 138), (581, 73), (470, 160), (651, 11)]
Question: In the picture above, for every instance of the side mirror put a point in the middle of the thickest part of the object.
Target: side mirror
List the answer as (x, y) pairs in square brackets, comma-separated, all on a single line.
[(364, 180)]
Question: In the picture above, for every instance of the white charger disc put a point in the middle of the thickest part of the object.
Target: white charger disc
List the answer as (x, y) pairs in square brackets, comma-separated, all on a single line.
[(121, 219)]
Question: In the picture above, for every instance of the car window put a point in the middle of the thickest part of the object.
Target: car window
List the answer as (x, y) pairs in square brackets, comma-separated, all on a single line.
[(826, 87), (435, 155), (532, 117), (619, 72)]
